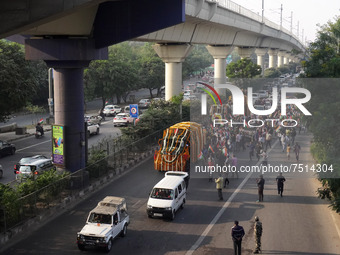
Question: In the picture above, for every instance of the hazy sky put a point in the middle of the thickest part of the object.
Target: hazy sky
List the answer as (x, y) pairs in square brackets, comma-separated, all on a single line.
[(309, 13)]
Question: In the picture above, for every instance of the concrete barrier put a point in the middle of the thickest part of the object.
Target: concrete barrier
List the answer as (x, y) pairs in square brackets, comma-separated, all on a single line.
[(20, 130), (8, 128)]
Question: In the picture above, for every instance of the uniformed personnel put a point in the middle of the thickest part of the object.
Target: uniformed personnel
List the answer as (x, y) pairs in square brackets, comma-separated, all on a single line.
[(257, 234)]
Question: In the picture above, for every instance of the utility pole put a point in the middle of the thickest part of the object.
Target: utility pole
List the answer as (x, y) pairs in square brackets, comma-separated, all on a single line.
[(50, 91), (298, 29), (281, 17), (262, 11), (291, 23)]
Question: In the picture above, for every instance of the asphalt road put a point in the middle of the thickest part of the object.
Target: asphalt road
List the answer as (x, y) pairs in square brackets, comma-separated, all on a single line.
[(43, 146), (297, 223)]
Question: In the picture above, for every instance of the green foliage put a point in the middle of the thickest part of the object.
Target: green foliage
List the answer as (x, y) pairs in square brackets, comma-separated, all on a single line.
[(198, 59), (97, 163), (271, 73), (325, 123), (244, 68), (21, 81), (160, 115), (114, 77), (151, 69), (324, 52)]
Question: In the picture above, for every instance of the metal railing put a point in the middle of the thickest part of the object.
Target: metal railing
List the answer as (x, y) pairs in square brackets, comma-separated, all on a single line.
[(117, 152), (230, 5)]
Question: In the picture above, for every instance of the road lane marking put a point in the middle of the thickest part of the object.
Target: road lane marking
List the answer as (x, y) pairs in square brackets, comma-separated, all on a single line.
[(33, 145), (222, 210)]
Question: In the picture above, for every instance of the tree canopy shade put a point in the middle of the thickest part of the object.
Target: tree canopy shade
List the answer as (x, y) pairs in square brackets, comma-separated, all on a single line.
[(151, 69), (20, 80), (324, 63), (243, 68), (114, 77), (324, 52)]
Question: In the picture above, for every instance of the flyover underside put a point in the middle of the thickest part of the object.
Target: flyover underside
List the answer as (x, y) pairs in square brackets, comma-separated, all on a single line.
[(197, 31)]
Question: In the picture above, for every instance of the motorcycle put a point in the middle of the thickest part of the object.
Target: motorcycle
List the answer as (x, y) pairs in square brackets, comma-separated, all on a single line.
[(38, 134)]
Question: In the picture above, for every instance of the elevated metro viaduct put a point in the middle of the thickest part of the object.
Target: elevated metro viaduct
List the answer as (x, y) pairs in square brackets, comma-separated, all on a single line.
[(68, 34)]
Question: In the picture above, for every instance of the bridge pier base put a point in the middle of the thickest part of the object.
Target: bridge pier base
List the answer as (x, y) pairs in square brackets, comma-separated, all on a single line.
[(68, 57), (260, 52), (272, 58), (173, 56)]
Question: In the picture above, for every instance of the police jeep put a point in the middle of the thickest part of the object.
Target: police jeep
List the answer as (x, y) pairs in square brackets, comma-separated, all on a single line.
[(105, 222)]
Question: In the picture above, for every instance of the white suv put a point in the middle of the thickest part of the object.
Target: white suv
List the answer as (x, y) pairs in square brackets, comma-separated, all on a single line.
[(104, 223), (111, 110)]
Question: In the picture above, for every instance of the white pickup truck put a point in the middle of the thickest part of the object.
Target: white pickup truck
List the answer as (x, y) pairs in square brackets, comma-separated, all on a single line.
[(104, 223)]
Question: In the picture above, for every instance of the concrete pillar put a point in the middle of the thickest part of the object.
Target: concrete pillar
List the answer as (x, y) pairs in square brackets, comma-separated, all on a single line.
[(68, 57), (280, 56), (286, 59), (173, 56), (272, 58), (260, 52), (220, 54), (245, 52)]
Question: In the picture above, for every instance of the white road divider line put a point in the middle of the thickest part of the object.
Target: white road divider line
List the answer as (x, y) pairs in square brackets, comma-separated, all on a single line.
[(222, 210)]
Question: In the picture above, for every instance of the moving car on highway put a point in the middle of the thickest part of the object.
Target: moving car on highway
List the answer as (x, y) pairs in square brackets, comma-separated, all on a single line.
[(104, 223), (6, 148), (27, 160), (92, 129), (111, 110), (33, 169), (122, 119)]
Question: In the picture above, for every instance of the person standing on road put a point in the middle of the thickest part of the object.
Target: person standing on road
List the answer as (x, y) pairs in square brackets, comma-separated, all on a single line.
[(237, 233), (219, 185), (257, 234), (260, 185), (280, 183)]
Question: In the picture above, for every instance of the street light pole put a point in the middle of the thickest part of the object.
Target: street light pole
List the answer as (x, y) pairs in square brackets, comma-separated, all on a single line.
[(262, 11), (281, 17), (50, 91)]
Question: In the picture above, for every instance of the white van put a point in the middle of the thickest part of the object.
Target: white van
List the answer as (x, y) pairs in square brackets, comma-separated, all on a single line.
[(167, 196)]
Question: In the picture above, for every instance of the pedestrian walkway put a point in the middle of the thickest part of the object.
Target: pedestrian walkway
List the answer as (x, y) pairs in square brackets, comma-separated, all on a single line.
[(12, 136)]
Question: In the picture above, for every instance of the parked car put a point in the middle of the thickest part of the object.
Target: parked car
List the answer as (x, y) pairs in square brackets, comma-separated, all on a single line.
[(144, 103), (27, 160), (111, 110), (1, 171), (127, 109), (92, 129), (105, 222), (6, 148), (122, 119), (95, 119), (33, 169)]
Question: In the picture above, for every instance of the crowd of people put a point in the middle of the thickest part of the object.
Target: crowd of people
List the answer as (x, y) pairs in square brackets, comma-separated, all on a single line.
[(226, 142)]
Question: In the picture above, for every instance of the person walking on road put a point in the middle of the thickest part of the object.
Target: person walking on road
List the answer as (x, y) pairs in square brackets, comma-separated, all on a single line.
[(260, 185), (288, 151), (297, 149), (219, 185), (257, 234), (234, 165), (237, 233), (280, 182)]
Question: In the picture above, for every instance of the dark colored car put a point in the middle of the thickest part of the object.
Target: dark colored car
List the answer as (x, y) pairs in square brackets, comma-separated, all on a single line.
[(6, 148), (27, 160)]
